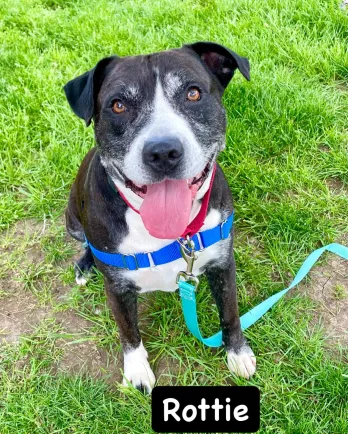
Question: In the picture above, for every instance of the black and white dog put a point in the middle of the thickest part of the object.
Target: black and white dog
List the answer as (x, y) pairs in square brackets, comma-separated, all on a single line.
[(159, 126)]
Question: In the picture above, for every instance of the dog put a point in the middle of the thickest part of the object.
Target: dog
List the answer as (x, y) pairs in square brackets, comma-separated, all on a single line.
[(159, 125)]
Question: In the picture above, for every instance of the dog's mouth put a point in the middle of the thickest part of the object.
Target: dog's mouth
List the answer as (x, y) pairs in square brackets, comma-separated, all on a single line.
[(194, 183), (166, 205)]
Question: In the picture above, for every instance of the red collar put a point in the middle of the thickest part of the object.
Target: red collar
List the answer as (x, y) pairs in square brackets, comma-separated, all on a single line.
[(198, 221)]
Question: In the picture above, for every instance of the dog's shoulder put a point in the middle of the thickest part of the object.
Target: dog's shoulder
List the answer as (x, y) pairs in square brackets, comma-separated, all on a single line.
[(221, 196), (101, 207)]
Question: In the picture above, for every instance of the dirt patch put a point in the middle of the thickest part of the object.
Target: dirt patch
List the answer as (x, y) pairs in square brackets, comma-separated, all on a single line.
[(87, 358), (336, 186), (342, 87), (80, 354), (25, 263), (32, 256), (19, 315), (329, 288), (166, 370), (16, 245)]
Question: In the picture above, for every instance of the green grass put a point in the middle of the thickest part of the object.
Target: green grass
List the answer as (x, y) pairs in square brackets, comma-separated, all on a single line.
[(287, 143)]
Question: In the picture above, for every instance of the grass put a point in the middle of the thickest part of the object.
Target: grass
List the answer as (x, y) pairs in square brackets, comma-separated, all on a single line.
[(287, 146)]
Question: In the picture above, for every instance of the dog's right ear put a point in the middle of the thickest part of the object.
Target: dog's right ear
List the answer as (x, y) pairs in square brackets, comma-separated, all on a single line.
[(81, 92)]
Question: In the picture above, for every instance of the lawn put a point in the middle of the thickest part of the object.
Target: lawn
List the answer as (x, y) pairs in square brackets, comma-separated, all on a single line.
[(286, 161)]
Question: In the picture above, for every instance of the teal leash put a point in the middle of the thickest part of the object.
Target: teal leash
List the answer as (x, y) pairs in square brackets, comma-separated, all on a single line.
[(187, 291)]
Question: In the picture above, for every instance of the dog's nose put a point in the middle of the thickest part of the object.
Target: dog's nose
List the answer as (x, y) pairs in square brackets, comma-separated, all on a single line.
[(163, 155)]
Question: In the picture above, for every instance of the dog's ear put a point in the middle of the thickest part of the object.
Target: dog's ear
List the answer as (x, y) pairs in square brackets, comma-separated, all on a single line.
[(82, 90), (221, 61)]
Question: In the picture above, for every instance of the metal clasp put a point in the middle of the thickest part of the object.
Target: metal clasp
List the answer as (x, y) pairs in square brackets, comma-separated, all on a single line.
[(187, 249), (125, 262), (222, 230)]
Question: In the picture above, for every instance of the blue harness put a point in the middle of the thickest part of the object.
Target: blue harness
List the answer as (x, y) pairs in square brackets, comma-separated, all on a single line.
[(168, 253)]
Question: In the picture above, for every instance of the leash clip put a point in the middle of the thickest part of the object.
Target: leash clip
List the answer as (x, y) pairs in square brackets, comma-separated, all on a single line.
[(187, 250)]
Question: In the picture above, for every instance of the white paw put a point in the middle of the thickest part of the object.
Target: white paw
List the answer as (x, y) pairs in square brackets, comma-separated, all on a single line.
[(80, 280), (137, 370), (242, 364)]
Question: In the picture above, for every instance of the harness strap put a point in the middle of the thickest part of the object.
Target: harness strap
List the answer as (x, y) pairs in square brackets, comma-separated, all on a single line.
[(168, 253)]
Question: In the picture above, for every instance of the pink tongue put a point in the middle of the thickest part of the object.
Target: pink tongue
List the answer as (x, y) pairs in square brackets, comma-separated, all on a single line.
[(166, 208)]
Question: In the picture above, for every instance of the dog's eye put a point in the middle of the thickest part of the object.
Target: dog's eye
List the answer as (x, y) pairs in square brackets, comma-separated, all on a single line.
[(118, 107), (193, 94)]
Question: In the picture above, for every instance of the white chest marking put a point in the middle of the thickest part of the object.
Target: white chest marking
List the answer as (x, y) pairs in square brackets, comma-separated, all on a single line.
[(162, 277)]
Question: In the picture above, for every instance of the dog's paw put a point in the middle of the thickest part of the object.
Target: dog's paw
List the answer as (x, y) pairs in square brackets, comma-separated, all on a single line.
[(80, 279), (137, 370), (242, 363), (84, 267)]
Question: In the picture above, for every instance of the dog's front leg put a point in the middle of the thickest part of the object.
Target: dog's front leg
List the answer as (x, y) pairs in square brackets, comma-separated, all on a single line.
[(222, 280), (123, 302)]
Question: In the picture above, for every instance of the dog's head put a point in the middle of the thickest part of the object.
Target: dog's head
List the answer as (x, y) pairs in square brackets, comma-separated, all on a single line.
[(158, 117)]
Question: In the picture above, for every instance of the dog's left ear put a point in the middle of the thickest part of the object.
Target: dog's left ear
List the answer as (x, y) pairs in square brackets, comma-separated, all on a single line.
[(81, 92), (221, 61)]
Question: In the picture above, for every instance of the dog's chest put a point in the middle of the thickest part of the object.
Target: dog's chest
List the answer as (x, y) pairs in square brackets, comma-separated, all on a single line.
[(162, 277)]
